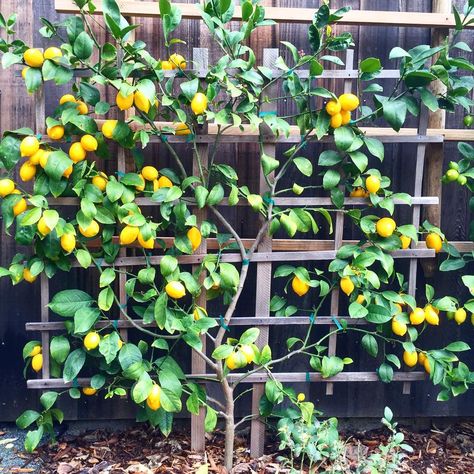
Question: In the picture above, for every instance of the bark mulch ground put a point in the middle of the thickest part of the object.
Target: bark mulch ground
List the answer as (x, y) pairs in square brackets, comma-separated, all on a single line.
[(141, 450)]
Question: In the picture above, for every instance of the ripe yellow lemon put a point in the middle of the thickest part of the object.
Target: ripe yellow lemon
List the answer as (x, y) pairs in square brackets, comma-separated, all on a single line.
[(431, 316), (299, 286), (43, 228), (89, 391), (24, 71), (141, 102), (153, 400), (199, 103), (182, 129), (357, 192), (150, 173), (7, 186), (347, 286), (91, 231), (91, 340), (406, 241), (128, 235), (426, 365), (417, 316), (82, 107), (177, 61), (33, 57), (56, 132), (433, 241), (421, 358), (349, 102), (100, 181), (68, 242), (89, 143), (68, 171), (77, 152), (146, 244), (108, 128), (27, 171), (232, 361), (248, 353), (460, 315), (141, 187), (301, 397), (166, 66), (37, 362), (20, 206), (44, 159), (372, 184), (52, 52), (29, 146), (194, 235), (66, 98), (35, 350), (175, 289), (346, 117), (165, 182), (36, 158), (28, 276), (336, 121), (333, 107), (410, 358), (198, 310), (124, 102), (399, 328), (360, 299), (385, 226)]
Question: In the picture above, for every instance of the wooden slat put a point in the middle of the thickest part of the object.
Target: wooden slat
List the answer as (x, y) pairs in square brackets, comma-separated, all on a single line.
[(286, 15), (284, 377)]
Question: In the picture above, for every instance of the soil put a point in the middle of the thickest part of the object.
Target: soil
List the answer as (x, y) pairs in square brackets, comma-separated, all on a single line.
[(141, 450)]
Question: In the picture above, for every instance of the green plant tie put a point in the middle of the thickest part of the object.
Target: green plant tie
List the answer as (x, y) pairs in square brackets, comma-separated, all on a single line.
[(312, 317), (245, 262), (266, 113), (39, 136), (99, 261), (190, 138), (223, 324), (75, 383), (308, 378), (68, 140), (120, 174), (164, 138), (268, 200), (337, 323), (115, 324)]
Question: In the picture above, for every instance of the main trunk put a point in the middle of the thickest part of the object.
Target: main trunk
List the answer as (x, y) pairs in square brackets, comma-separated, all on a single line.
[(229, 426)]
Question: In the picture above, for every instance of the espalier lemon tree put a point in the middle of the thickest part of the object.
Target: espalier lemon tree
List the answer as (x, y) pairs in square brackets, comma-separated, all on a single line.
[(164, 297)]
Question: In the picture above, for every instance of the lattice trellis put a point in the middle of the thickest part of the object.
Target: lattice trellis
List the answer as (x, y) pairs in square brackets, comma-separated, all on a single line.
[(270, 250)]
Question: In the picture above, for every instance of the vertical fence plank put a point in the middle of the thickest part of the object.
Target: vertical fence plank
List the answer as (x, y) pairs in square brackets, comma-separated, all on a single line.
[(264, 274), (44, 299), (198, 365), (338, 236)]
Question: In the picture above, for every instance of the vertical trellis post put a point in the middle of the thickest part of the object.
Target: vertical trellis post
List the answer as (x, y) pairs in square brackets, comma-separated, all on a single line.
[(198, 365), (264, 270), (338, 236)]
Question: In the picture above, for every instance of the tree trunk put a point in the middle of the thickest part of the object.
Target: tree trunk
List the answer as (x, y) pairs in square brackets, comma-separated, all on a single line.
[(229, 426)]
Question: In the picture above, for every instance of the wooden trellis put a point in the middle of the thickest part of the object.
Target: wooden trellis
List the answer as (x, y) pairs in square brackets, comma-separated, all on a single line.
[(270, 250)]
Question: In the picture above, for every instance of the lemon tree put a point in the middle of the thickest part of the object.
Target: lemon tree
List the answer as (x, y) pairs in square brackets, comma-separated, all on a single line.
[(162, 299)]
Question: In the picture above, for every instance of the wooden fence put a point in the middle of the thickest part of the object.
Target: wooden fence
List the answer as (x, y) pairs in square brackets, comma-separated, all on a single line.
[(273, 250)]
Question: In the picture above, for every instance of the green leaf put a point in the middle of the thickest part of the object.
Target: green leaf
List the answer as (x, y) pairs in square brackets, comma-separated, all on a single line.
[(27, 418), (304, 165), (59, 348), (458, 346), (109, 347), (142, 388), (375, 147), (9, 152), (73, 365), (369, 343), (331, 179), (249, 336), (85, 318), (394, 112), (344, 137), (222, 352), (331, 366), (210, 420), (107, 277), (190, 88), (67, 302), (385, 372), (83, 46), (48, 399), (378, 314), (84, 258), (33, 438), (160, 308), (106, 299), (370, 65), (329, 158), (269, 164)]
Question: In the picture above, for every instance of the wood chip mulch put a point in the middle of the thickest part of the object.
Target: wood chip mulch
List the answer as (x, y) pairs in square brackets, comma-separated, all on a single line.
[(140, 450)]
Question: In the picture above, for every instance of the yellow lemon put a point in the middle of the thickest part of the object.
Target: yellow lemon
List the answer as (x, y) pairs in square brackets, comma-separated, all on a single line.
[(29, 146), (299, 287), (108, 128), (198, 310), (301, 397), (417, 316), (347, 286), (52, 52), (89, 143), (333, 107), (100, 181), (66, 98), (28, 276), (385, 227), (153, 399), (55, 132), (199, 103), (43, 228), (141, 102), (68, 242), (150, 173), (360, 299), (166, 65), (177, 61), (182, 129), (7, 186), (232, 361), (165, 182), (410, 358), (357, 192), (346, 117), (194, 235), (372, 184), (141, 187), (349, 102), (27, 171), (91, 231), (89, 391), (24, 71), (433, 241), (68, 171), (33, 57), (430, 316), (77, 152), (175, 289), (460, 315), (421, 358), (336, 121), (35, 350), (426, 365), (37, 362), (248, 353), (406, 241), (124, 102), (82, 107), (128, 235), (146, 244), (399, 328), (20, 206), (44, 159), (91, 340)]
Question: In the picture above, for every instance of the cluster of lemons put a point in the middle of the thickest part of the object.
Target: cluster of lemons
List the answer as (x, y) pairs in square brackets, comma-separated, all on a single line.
[(340, 109), (35, 58), (240, 357), (36, 358), (372, 186)]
